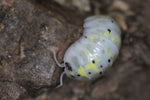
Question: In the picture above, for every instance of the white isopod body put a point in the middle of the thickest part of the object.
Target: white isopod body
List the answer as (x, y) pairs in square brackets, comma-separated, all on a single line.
[(95, 51)]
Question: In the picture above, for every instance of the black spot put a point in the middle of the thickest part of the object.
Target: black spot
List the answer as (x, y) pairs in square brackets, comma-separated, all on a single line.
[(93, 61), (72, 76), (101, 66), (112, 21), (109, 60), (78, 75), (68, 66), (100, 73), (109, 30), (89, 72), (85, 37), (43, 25)]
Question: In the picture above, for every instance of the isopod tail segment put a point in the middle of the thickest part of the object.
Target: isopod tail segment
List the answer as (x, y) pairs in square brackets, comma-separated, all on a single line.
[(60, 65)]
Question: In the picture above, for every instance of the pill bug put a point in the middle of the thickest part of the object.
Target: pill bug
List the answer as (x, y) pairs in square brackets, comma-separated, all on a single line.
[(94, 52)]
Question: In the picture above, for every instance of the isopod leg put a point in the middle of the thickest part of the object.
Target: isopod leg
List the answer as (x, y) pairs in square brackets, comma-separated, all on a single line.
[(61, 80)]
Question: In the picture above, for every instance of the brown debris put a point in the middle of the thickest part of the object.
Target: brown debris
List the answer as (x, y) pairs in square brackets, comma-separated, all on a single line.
[(1, 27), (22, 55)]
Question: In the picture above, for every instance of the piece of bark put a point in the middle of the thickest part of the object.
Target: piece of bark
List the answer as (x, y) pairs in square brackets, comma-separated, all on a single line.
[(28, 29)]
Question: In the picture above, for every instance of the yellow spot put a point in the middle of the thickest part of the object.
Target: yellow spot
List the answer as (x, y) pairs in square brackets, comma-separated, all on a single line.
[(106, 33), (71, 73), (106, 49), (82, 72), (110, 54), (97, 60), (92, 66), (91, 38), (117, 38), (113, 40)]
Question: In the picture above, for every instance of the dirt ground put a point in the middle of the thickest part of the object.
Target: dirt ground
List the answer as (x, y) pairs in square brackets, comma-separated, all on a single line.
[(127, 79)]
